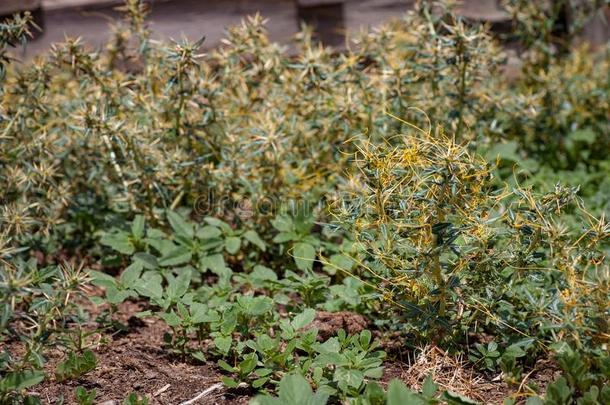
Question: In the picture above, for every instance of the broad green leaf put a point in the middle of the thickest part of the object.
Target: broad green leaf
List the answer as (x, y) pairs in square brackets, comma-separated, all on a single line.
[(225, 366), (232, 244), (304, 255), (215, 262), (137, 227), (429, 388), (226, 228), (339, 262), (376, 372), (303, 319), (146, 259), (332, 345), (223, 344), (263, 273), (199, 312), (178, 286), (282, 223), (171, 318), (119, 242), (150, 285), (294, 389), (180, 255), (208, 232), (102, 279), (131, 274), (229, 382), (116, 296), (284, 237), (399, 394), (248, 365), (253, 237), (453, 398), (20, 380), (353, 378), (180, 225), (260, 306)]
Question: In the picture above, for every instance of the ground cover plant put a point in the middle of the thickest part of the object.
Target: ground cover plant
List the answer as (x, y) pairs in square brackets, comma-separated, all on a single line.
[(292, 227)]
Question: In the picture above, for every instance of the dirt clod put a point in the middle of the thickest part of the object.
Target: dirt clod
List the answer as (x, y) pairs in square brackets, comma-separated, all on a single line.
[(329, 323)]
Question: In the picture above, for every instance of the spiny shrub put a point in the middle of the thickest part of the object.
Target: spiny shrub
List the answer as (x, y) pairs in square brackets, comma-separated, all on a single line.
[(442, 243), (91, 137)]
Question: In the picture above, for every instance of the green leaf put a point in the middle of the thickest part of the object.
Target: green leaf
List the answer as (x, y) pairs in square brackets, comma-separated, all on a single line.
[(253, 237), (585, 135), (353, 378), (226, 228), (199, 312), (223, 344), (514, 351), (429, 388), (208, 232), (180, 226), (332, 345), (247, 365), (178, 286), (365, 338), (119, 242), (137, 227), (149, 261), (263, 273), (259, 382), (303, 319), (376, 372), (150, 285), (284, 237), (456, 399), (180, 255), (229, 382), (399, 394), (75, 365), (225, 366), (102, 279), (232, 244), (294, 389), (259, 306), (339, 262), (215, 262), (20, 380), (131, 274), (171, 318), (504, 151), (116, 296), (282, 223), (559, 392), (304, 255)]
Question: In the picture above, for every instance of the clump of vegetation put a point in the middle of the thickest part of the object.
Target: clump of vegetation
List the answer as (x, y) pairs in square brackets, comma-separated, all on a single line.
[(241, 195)]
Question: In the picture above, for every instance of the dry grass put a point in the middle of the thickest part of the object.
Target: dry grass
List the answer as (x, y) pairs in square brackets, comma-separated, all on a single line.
[(449, 373)]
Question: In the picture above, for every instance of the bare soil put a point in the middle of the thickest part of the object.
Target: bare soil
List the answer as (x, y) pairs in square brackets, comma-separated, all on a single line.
[(136, 360)]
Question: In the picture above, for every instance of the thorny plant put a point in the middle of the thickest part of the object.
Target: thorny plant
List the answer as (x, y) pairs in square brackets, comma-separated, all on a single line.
[(37, 307), (141, 128), (434, 233)]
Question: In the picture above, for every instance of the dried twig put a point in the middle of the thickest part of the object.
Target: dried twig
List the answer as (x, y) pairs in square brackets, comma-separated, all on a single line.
[(161, 390), (203, 394)]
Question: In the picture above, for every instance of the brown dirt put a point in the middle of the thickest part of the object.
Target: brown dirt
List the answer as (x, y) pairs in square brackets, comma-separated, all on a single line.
[(329, 323), (137, 362)]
